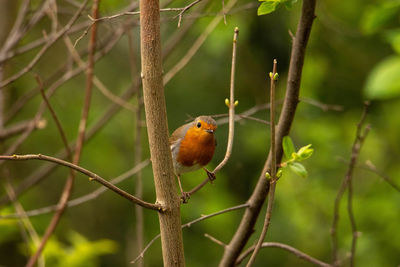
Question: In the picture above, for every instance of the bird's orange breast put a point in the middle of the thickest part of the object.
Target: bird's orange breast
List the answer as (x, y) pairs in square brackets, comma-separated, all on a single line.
[(197, 147)]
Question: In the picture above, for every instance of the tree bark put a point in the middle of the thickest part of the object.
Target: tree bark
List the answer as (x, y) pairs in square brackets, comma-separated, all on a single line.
[(256, 200), (157, 129)]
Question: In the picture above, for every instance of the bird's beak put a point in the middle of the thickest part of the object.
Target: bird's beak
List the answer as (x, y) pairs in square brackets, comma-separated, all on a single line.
[(209, 131)]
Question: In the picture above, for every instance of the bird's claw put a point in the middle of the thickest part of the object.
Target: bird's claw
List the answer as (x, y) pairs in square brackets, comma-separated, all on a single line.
[(185, 197), (211, 175)]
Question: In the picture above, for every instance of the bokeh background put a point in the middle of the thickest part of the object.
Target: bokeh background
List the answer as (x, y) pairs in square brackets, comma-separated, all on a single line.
[(352, 56)]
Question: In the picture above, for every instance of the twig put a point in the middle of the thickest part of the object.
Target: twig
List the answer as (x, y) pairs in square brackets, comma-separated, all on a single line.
[(231, 116), (323, 106), (54, 115), (272, 168), (92, 177), (347, 183), (213, 239), (85, 198), (371, 167), (292, 250), (256, 200), (20, 127), (42, 51), (186, 8), (102, 88), (189, 224), (43, 171), (196, 45)]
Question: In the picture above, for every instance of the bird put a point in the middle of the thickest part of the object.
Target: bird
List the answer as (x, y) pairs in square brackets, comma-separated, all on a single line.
[(192, 147)]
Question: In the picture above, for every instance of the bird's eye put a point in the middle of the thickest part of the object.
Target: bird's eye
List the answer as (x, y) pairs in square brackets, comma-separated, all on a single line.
[(198, 125)]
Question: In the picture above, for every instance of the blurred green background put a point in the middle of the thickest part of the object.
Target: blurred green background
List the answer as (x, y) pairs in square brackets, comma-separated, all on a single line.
[(352, 56)]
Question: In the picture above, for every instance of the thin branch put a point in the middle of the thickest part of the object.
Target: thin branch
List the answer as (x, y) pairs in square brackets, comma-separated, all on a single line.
[(102, 88), (196, 45), (92, 177), (44, 48), (323, 106), (231, 115), (347, 183), (189, 224), (292, 250), (186, 8), (85, 198), (272, 168), (55, 118), (371, 167), (213, 239), (21, 127)]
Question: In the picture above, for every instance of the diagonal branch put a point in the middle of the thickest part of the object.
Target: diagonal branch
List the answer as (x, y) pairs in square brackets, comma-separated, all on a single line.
[(92, 177), (292, 250), (260, 192)]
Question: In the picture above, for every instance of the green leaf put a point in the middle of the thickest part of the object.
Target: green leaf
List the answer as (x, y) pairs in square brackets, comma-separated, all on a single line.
[(298, 169), (305, 152), (288, 147), (267, 7), (384, 80)]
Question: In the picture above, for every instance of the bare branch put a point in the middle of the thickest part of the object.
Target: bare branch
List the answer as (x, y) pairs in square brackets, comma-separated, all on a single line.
[(213, 239), (85, 198), (347, 183), (292, 250), (371, 167), (196, 45), (189, 224), (323, 106), (92, 177), (44, 48), (273, 179)]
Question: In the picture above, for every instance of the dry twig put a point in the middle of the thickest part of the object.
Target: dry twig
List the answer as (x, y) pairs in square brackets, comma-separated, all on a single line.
[(361, 134)]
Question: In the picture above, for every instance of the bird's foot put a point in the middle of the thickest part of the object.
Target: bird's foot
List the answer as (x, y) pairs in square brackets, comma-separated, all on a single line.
[(211, 175), (185, 197)]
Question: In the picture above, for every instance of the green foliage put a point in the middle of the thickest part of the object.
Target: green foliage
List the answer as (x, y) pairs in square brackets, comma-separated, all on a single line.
[(288, 147), (293, 158), (384, 80), (269, 6), (81, 252), (377, 17)]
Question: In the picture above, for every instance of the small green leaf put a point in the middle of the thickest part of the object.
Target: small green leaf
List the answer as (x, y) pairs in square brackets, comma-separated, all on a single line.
[(299, 169), (288, 147), (305, 152), (384, 80), (267, 7)]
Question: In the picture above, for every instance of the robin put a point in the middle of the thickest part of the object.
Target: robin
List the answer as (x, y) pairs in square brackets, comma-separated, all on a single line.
[(192, 147)]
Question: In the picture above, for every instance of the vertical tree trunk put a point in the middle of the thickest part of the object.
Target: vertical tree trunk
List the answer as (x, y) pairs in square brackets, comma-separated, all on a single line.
[(157, 129)]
